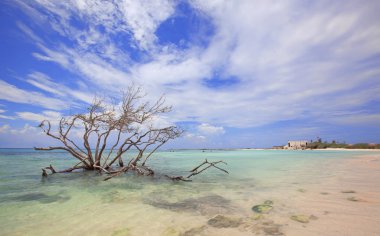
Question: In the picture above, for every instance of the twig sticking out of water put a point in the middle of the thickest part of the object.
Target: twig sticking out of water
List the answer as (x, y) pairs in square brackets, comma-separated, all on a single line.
[(199, 169)]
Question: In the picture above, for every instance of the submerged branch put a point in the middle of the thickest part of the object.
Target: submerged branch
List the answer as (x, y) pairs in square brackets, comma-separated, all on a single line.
[(178, 178), (53, 171), (140, 170), (116, 173), (196, 170)]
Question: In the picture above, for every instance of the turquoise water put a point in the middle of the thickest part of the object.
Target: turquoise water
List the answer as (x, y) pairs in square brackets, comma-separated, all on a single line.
[(83, 204)]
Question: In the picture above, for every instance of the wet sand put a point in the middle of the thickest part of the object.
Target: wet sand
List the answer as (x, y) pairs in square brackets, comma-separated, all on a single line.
[(345, 203)]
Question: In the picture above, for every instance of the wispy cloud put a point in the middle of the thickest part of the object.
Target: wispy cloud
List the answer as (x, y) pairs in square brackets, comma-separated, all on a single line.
[(195, 137), (208, 129), (4, 128), (7, 129), (283, 65), (137, 18), (5, 116), (264, 62), (13, 94), (25, 136), (358, 119), (45, 83), (52, 116)]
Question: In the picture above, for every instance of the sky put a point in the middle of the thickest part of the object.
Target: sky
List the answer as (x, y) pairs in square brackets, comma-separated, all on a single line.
[(238, 74)]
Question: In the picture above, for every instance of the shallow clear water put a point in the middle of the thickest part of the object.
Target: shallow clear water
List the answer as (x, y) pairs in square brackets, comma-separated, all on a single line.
[(83, 204)]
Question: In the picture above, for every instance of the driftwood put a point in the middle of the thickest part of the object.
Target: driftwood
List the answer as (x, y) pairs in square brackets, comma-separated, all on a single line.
[(142, 170), (178, 178), (53, 171), (199, 169)]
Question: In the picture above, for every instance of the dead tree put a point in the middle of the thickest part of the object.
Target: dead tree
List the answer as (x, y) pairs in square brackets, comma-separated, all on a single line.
[(108, 132)]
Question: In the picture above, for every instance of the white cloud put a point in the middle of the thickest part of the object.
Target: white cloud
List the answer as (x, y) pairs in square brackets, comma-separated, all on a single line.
[(161, 122), (13, 94), (139, 18), (27, 129), (195, 138), (45, 83), (7, 129), (283, 55), (4, 128), (5, 116), (26, 136), (292, 61), (208, 129), (357, 119), (143, 18), (52, 116), (89, 67)]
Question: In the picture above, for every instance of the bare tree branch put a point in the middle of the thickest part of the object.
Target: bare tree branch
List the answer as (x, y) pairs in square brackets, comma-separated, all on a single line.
[(197, 170), (123, 127)]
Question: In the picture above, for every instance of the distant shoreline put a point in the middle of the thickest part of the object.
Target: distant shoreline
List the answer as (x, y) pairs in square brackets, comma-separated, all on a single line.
[(253, 149), (266, 149), (348, 149), (317, 149)]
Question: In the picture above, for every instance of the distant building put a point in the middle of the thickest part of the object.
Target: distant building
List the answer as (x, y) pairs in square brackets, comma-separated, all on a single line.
[(294, 145)]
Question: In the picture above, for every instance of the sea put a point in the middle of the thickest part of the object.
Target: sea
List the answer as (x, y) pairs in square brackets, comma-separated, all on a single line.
[(213, 203)]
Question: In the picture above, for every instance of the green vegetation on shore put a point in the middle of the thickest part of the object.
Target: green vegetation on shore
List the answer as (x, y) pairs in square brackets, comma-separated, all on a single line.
[(322, 145)]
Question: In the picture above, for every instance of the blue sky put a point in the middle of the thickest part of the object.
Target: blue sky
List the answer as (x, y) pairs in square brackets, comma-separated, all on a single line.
[(238, 73)]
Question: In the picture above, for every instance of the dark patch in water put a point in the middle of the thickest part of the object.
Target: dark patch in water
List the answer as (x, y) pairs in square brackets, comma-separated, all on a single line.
[(195, 231), (261, 227), (272, 229), (41, 197), (208, 205), (114, 197), (30, 197), (221, 221)]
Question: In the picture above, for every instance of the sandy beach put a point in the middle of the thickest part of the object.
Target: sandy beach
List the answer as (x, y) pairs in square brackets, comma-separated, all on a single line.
[(347, 203), (350, 150)]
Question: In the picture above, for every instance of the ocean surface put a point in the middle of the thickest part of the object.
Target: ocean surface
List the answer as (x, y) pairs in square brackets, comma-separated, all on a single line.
[(82, 203)]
